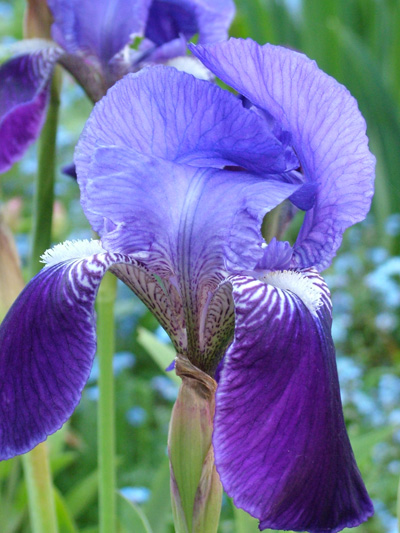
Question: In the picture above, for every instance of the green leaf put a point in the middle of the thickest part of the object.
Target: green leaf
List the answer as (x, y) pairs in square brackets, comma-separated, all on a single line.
[(363, 444), (7, 466), (318, 41), (82, 495), (394, 53), (285, 30), (161, 353), (61, 461), (158, 508), (131, 517), (244, 523), (256, 21), (64, 518)]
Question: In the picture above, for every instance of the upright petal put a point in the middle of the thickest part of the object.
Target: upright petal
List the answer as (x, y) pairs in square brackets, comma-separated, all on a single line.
[(143, 204), (171, 115), (48, 340), (155, 208), (154, 164), (101, 28), (24, 93), (327, 130), (168, 19), (280, 442)]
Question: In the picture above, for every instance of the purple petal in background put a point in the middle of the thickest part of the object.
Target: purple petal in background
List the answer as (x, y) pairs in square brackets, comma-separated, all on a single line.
[(280, 442), (98, 28), (24, 93), (69, 170), (327, 130), (168, 19), (150, 54)]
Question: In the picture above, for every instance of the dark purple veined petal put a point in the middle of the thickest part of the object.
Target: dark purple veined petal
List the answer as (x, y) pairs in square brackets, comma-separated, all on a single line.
[(24, 93), (327, 130), (48, 340), (217, 325), (168, 19), (168, 114), (101, 28), (280, 443), (161, 298)]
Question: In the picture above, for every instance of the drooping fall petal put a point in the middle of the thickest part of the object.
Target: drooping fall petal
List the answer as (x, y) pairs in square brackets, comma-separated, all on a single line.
[(281, 446), (48, 341)]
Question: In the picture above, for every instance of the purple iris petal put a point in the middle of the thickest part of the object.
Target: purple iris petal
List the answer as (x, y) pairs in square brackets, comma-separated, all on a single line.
[(168, 19), (193, 124), (162, 299), (280, 442), (24, 93), (305, 197), (149, 53), (277, 256), (179, 238), (48, 341), (98, 28), (181, 119), (144, 188), (327, 130)]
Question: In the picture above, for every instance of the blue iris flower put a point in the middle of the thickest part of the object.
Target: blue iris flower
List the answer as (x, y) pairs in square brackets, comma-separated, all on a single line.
[(176, 176)]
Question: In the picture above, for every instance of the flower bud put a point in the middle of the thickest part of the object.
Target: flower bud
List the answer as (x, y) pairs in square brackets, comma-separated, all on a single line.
[(195, 486)]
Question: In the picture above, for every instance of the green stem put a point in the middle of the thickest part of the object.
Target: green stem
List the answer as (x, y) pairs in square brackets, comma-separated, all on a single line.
[(42, 508), (36, 463), (106, 424), (398, 508), (44, 192)]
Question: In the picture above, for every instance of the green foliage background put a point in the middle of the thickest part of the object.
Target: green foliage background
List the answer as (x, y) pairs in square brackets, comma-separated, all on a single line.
[(358, 42)]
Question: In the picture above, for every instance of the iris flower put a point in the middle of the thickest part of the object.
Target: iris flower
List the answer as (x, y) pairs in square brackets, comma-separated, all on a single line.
[(91, 40), (176, 176)]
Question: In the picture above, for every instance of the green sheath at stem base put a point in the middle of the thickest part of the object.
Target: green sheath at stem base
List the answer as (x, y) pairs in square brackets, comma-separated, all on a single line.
[(196, 489)]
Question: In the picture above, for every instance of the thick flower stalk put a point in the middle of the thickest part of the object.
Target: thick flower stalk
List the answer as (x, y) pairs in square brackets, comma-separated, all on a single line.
[(92, 40), (176, 176)]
